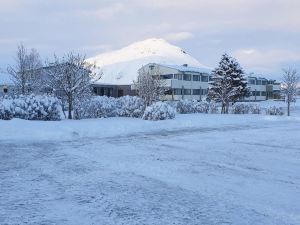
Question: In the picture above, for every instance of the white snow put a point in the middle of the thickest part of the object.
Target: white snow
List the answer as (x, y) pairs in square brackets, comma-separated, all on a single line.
[(121, 66), (195, 169)]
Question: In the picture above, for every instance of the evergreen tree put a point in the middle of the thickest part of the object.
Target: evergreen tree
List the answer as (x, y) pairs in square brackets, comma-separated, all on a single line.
[(228, 83)]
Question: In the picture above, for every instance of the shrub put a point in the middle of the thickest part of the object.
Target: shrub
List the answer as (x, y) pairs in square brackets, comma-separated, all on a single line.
[(201, 107), (97, 107), (6, 109), (213, 107), (240, 108), (40, 107), (192, 106), (255, 109), (275, 111), (159, 111), (131, 106), (185, 106)]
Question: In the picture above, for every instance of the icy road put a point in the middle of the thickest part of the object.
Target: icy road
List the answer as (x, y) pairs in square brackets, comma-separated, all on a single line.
[(208, 169)]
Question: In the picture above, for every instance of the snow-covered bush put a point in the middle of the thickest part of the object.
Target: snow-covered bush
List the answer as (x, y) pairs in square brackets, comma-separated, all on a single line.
[(97, 107), (201, 107), (159, 111), (192, 106), (240, 108), (213, 107), (6, 108), (275, 111), (255, 109), (40, 107), (130, 106), (185, 106), (173, 104)]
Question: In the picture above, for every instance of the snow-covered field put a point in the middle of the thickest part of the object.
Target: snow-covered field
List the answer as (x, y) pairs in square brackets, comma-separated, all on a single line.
[(196, 169)]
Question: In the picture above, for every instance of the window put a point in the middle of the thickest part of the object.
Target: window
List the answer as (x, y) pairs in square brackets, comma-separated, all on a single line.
[(264, 82), (253, 93), (258, 93), (196, 78), (187, 77), (258, 82), (167, 76), (204, 78), (251, 81), (210, 78), (120, 93), (168, 92), (5, 90), (196, 91), (204, 91), (263, 93), (178, 76), (187, 91), (177, 91), (95, 90)]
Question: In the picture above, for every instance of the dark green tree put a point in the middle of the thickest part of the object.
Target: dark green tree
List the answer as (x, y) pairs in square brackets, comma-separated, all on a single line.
[(228, 83)]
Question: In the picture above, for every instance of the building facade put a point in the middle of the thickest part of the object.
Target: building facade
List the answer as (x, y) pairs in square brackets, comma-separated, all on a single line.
[(181, 82), (262, 89), (185, 82), (6, 84)]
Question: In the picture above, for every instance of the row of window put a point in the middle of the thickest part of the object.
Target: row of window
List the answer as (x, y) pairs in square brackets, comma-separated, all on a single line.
[(179, 91), (103, 91), (187, 77), (257, 82), (259, 93)]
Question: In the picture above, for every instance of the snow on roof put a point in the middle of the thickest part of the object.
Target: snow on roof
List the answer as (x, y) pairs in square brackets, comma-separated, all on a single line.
[(183, 68), (121, 67)]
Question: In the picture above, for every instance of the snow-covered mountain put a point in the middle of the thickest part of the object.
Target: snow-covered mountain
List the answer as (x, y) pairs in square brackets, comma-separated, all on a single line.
[(121, 66)]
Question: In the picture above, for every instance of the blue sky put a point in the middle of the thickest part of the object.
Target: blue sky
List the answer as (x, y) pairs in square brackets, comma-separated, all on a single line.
[(263, 35)]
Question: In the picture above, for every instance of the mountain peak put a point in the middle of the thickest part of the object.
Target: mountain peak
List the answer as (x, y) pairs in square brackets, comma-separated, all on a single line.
[(121, 66)]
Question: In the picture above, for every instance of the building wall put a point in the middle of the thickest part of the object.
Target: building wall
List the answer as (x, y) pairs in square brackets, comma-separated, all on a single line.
[(181, 85), (6, 89)]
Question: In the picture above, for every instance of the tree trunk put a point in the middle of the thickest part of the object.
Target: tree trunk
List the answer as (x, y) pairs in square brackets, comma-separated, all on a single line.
[(227, 107), (70, 107), (289, 104), (223, 108)]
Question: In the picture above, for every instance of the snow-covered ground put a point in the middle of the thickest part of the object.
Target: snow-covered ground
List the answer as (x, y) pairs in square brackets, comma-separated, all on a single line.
[(196, 169)]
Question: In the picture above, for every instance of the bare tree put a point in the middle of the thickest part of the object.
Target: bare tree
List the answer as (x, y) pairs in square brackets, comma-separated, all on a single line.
[(70, 78), (289, 86), (150, 86), (26, 73)]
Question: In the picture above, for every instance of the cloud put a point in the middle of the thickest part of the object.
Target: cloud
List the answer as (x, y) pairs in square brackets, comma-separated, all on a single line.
[(205, 28), (180, 36), (266, 61), (107, 12)]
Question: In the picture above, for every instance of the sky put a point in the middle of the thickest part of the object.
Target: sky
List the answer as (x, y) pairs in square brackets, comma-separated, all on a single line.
[(263, 35)]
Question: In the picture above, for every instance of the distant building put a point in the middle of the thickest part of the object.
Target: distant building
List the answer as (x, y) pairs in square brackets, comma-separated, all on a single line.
[(6, 84), (262, 89), (187, 82), (182, 82)]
